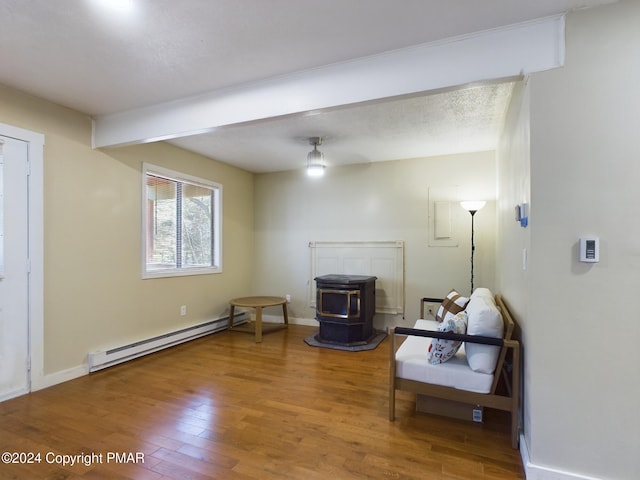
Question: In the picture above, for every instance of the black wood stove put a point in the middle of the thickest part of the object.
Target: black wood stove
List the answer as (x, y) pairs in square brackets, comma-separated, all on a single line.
[(345, 306)]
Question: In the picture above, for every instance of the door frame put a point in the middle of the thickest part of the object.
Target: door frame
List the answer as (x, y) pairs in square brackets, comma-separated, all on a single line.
[(35, 238)]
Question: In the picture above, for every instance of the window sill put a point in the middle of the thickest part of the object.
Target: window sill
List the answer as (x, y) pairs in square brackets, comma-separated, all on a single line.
[(180, 272)]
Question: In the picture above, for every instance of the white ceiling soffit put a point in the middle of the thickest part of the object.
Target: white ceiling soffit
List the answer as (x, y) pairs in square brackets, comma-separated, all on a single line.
[(461, 120), (494, 54)]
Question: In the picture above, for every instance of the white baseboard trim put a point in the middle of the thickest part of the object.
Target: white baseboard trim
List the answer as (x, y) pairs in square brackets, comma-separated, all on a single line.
[(310, 322), (538, 472), (62, 376)]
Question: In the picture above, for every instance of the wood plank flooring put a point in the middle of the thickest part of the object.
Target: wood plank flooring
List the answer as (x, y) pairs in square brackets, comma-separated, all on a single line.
[(224, 407)]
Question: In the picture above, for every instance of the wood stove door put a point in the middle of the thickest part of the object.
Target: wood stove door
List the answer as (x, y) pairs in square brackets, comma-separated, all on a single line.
[(338, 303)]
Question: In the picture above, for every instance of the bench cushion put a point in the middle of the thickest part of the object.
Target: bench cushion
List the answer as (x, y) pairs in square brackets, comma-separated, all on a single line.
[(412, 364)]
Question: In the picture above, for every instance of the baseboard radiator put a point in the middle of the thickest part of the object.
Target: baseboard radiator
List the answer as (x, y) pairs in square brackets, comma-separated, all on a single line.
[(107, 358)]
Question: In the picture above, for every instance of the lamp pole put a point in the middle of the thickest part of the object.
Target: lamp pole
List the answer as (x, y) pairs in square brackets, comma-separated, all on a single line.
[(472, 207), (473, 245)]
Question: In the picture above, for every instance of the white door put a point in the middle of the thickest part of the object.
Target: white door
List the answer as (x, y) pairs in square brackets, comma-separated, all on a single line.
[(14, 274)]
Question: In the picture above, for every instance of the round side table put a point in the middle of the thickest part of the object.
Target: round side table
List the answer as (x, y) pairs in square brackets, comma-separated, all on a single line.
[(258, 303)]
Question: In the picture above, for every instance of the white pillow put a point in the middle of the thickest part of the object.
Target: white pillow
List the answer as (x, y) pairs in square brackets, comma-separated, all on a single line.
[(484, 319), (442, 350), (485, 293)]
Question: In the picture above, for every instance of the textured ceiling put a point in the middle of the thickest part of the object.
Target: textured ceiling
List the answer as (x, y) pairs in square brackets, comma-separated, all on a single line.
[(77, 54), (464, 120)]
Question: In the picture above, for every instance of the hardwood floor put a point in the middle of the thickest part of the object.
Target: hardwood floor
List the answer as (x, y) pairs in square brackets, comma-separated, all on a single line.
[(224, 407)]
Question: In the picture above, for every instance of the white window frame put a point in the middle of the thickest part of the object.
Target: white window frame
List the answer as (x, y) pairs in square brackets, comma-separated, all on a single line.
[(155, 170)]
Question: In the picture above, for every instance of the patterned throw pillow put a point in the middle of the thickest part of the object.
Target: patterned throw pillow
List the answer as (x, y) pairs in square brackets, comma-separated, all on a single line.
[(442, 350), (450, 306)]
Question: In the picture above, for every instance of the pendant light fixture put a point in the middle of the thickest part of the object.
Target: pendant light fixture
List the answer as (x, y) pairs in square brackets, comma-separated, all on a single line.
[(315, 158)]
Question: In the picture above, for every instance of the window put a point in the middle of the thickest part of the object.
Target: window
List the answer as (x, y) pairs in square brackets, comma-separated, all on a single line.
[(182, 224)]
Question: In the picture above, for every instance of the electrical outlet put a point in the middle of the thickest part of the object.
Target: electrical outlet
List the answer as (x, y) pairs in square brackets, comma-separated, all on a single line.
[(183, 310), (430, 310), (288, 297)]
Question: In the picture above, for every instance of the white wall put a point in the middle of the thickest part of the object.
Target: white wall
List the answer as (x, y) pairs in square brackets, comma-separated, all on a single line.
[(379, 201), (583, 330), (513, 170), (514, 241), (94, 296)]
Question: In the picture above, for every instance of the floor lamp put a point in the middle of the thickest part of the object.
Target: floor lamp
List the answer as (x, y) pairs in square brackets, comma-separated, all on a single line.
[(472, 207)]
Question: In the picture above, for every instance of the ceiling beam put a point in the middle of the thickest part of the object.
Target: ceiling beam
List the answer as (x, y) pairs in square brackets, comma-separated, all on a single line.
[(499, 53)]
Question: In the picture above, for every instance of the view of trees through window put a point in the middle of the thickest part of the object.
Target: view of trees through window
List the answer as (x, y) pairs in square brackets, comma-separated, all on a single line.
[(180, 224)]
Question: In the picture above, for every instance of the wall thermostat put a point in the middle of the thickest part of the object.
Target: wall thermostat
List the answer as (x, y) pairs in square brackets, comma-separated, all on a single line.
[(589, 249)]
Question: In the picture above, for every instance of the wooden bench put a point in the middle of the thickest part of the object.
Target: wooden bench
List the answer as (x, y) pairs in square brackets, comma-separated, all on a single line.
[(501, 395)]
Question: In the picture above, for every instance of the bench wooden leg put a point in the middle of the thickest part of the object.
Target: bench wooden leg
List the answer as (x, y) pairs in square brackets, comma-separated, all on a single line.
[(392, 375), (392, 403), (515, 395)]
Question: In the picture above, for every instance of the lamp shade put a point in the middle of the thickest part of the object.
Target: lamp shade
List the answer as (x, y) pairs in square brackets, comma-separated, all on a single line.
[(473, 205)]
